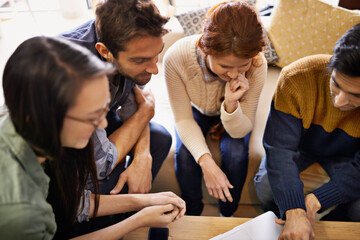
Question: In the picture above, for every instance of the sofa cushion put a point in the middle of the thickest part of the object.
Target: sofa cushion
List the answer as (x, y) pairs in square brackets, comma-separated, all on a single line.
[(305, 27), (191, 21)]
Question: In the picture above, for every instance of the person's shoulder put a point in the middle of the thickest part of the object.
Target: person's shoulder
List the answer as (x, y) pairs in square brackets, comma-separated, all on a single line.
[(305, 71), (307, 65), (26, 221), (82, 34), (183, 47)]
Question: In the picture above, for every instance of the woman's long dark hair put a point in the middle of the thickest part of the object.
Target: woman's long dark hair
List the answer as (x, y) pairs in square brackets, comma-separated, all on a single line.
[(41, 81)]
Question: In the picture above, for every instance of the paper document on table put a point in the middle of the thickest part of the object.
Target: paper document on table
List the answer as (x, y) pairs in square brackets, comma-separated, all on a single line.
[(259, 228)]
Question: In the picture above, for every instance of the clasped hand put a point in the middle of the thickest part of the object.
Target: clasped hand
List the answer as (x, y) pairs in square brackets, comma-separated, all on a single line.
[(234, 91)]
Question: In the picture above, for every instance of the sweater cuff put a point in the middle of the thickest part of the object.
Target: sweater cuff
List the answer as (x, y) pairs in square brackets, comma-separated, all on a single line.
[(290, 200), (328, 195), (225, 115)]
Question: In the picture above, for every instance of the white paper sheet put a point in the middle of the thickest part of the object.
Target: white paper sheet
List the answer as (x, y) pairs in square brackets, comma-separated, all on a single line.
[(259, 228)]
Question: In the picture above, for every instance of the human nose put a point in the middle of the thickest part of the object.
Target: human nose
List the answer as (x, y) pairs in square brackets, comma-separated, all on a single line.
[(341, 99), (103, 123), (233, 73), (152, 68)]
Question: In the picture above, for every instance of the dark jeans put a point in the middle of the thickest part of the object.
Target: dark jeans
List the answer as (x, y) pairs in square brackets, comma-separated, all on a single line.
[(160, 141), (234, 156)]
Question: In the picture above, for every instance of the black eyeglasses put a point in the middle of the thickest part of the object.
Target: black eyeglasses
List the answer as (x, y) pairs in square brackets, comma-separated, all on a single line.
[(95, 122)]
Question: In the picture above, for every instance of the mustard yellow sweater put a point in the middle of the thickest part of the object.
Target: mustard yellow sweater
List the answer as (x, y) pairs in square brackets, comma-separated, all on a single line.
[(304, 126)]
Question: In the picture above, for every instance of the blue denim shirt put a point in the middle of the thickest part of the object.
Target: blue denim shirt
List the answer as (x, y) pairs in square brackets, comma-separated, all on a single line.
[(24, 211)]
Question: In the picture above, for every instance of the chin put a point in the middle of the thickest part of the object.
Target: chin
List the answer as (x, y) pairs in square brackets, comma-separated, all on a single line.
[(346, 109), (142, 80), (80, 144)]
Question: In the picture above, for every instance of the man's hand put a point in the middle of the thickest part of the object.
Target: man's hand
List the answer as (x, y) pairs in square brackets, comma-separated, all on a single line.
[(146, 101), (234, 91), (312, 207), (215, 180), (297, 226), (137, 176)]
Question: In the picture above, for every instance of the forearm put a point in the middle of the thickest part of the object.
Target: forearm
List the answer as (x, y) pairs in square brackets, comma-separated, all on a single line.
[(281, 141), (120, 203), (128, 134), (237, 124), (115, 231), (142, 149), (343, 186)]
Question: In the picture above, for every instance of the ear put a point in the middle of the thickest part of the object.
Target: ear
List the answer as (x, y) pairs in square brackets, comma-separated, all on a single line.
[(104, 51)]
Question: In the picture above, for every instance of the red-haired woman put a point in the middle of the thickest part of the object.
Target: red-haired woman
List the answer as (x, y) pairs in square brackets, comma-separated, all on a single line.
[(215, 79)]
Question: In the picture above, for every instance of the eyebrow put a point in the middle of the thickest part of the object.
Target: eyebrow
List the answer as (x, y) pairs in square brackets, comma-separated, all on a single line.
[(146, 58), (224, 65), (102, 108), (338, 86)]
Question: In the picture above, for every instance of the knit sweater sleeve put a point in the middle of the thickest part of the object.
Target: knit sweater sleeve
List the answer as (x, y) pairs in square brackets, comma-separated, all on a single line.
[(241, 121), (176, 71), (343, 186), (281, 141)]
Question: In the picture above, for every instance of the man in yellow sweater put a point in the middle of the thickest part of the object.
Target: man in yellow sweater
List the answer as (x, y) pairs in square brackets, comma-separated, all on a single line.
[(314, 117)]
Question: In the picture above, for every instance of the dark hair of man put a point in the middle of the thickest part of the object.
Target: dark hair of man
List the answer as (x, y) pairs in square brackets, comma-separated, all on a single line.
[(41, 81), (346, 54), (119, 21)]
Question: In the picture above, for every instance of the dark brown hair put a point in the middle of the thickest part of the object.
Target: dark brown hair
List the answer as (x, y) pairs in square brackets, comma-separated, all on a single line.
[(41, 81), (232, 27), (119, 21), (346, 53)]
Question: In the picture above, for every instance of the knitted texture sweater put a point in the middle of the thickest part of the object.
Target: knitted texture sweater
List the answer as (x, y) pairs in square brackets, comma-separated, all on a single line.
[(304, 122), (187, 87)]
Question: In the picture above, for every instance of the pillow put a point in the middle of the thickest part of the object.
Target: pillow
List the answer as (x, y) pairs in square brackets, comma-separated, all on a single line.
[(192, 21), (305, 27), (269, 51)]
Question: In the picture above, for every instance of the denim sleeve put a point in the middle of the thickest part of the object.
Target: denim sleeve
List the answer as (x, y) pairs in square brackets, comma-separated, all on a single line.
[(84, 207), (105, 153)]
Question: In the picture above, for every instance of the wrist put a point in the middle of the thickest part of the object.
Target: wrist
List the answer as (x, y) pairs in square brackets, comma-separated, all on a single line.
[(312, 202), (295, 213), (146, 110), (204, 159), (143, 159), (230, 106)]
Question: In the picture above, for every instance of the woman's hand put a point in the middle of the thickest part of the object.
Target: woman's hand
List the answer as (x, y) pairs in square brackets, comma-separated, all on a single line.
[(164, 198), (234, 91), (215, 180), (158, 216)]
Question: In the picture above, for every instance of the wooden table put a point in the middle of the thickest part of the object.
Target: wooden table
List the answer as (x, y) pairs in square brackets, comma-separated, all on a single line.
[(190, 228)]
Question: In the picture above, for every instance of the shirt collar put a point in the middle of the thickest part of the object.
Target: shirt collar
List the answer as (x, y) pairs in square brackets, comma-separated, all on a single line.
[(208, 76)]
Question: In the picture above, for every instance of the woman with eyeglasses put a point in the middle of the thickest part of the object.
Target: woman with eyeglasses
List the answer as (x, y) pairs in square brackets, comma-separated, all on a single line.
[(56, 96)]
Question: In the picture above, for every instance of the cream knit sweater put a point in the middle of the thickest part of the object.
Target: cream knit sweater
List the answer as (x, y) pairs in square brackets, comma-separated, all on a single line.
[(187, 88)]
